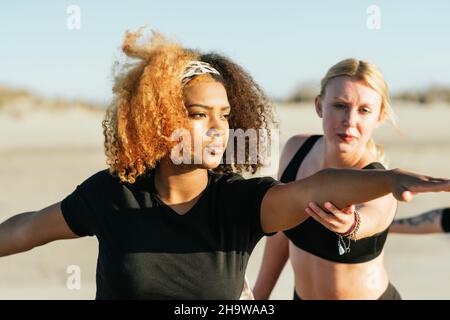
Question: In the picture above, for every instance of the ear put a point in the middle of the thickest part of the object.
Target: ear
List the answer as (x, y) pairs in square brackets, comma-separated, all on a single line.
[(318, 103)]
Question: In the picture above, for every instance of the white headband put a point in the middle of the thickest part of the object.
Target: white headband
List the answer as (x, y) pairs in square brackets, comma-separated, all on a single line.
[(195, 68)]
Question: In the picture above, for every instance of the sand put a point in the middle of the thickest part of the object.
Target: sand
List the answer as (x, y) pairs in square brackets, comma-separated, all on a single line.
[(45, 154)]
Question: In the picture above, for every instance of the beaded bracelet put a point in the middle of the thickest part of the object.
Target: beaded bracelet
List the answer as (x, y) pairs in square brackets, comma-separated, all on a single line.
[(344, 247)]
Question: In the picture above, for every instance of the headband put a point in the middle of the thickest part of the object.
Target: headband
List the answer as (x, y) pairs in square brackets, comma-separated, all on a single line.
[(195, 68)]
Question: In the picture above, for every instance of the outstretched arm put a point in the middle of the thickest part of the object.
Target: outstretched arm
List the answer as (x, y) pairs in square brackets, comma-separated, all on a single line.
[(428, 222), (276, 253), (283, 206), (28, 230)]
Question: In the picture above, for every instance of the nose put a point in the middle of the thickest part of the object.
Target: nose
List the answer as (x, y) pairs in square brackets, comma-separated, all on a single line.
[(216, 122), (216, 127), (350, 118), (215, 133)]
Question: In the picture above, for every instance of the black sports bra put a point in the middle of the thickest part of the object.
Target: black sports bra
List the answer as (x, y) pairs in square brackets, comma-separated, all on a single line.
[(314, 238)]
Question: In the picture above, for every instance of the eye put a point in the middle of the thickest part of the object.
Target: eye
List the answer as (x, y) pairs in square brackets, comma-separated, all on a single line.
[(197, 115), (226, 116), (365, 110), (339, 105)]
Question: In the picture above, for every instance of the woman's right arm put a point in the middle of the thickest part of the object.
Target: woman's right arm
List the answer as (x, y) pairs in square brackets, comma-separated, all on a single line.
[(28, 230), (283, 206), (276, 253)]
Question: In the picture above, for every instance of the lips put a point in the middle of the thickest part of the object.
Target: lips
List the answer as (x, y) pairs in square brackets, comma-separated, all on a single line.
[(214, 149), (346, 137)]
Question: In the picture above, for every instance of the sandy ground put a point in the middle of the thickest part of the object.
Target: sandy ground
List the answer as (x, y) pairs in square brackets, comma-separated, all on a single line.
[(44, 155)]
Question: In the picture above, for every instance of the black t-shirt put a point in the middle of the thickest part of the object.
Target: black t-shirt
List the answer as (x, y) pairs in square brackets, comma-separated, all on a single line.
[(148, 251)]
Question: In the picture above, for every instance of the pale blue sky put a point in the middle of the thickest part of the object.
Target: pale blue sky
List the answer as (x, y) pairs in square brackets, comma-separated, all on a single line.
[(281, 43)]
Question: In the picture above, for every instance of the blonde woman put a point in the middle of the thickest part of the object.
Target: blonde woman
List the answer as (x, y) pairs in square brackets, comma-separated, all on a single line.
[(337, 254)]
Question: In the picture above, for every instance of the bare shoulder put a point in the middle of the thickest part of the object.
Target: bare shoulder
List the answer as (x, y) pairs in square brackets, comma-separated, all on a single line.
[(290, 148)]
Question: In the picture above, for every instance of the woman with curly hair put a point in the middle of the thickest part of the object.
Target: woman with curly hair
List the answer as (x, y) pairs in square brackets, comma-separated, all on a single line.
[(172, 218)]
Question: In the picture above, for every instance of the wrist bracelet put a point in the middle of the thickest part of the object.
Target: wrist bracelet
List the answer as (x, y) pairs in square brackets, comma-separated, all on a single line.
[(351, 232), (352, 227), (343, 246)]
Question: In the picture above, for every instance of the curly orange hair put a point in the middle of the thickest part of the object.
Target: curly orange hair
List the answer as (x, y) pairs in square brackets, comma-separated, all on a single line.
[(148, 105)]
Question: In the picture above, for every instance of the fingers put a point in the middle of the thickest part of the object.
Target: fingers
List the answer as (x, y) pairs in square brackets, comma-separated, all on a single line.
[(334, 215), (444, 183), (347, 210), (337, 221), (429, 184), (407, 193), (331, 208), (407, 196), (403, 194), (316, 217), (350, 209)]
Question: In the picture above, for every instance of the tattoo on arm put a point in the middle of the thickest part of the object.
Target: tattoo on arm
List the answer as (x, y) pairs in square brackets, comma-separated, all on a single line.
[(430, 217)]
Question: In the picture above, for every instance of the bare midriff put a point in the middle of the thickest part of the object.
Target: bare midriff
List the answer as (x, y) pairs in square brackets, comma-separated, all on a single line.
[(317, 278)]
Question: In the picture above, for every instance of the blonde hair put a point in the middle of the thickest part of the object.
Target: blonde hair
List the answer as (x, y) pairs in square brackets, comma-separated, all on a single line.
[(372, 76)]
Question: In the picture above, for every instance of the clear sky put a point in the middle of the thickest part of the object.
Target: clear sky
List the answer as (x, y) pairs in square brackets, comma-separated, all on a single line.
[(281, 43)]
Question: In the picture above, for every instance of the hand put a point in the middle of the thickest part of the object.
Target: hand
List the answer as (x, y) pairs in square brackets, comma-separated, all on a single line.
[(407, 184), (336, 220)]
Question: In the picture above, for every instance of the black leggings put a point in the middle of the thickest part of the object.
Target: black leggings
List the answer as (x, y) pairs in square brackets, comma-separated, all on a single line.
[(390, 294)]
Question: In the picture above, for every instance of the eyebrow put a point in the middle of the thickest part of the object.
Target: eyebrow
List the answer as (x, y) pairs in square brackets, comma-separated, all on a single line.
[(342, 100), (339, 99), (206, 107)]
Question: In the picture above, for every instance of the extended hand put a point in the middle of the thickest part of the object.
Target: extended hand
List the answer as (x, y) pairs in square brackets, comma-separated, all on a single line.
[(408, 184)]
